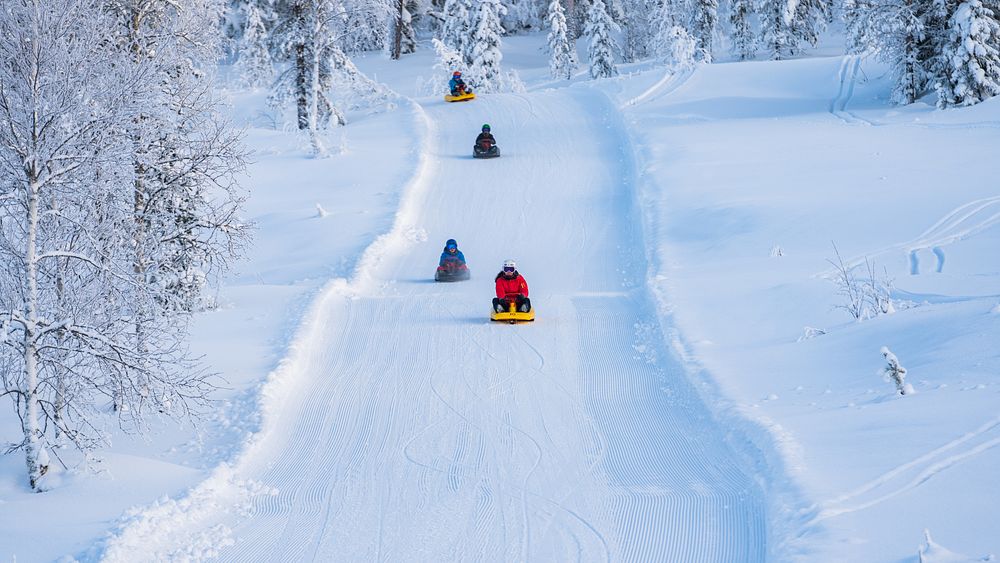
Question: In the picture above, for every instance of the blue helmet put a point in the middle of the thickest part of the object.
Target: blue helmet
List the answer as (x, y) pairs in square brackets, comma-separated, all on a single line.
[(450, 244)]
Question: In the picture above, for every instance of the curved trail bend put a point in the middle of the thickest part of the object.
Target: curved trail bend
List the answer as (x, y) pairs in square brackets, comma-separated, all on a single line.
[(429, 434)]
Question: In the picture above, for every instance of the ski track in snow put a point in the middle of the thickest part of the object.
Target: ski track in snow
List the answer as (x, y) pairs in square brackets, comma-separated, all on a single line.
[(422, 432), (671, 81), (847, 78), (958, 224), (912, 474)]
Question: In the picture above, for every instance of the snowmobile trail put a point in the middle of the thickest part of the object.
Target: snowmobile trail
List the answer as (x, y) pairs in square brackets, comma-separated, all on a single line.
[(426, 433)]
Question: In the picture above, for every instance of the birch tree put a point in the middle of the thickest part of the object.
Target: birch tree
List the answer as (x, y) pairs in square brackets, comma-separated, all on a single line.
[(68, 98)]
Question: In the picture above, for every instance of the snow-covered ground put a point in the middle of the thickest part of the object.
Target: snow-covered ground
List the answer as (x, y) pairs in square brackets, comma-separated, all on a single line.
[(690, 390)]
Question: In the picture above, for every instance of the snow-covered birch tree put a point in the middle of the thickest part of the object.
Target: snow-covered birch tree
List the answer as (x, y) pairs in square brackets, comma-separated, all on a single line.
[(307, 39), (602, 45), (185, 156), (971, 56), (69, 96), (562, 51)]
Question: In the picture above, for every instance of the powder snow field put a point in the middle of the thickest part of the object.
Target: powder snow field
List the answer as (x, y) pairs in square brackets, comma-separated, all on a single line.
[(752, 170), (665, 406)]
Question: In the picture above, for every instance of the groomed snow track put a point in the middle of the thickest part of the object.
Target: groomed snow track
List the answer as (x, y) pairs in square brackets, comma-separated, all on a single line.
[(422, 432)]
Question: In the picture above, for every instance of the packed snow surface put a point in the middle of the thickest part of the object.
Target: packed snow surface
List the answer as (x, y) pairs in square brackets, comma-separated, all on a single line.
[(691, 389)]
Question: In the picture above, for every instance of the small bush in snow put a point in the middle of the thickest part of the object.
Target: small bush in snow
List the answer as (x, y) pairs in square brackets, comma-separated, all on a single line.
[(895, 372), (808, 333), (864, 298)]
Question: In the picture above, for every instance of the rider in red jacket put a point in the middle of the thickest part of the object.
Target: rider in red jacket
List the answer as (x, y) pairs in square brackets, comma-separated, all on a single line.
[(511, 287)]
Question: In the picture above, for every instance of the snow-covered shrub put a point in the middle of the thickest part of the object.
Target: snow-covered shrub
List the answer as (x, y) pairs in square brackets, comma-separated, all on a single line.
[(895, 372), (808, 333), (866, 297), (848, 287), (878, 290)]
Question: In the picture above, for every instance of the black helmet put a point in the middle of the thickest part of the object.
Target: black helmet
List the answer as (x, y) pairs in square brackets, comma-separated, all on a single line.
[(486, 127)]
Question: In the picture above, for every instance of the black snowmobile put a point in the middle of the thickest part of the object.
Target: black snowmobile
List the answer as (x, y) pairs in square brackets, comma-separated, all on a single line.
[(452, 272), (485, 149)]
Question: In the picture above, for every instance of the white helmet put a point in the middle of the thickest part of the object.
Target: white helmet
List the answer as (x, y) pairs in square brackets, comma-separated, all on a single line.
[(509, 265)]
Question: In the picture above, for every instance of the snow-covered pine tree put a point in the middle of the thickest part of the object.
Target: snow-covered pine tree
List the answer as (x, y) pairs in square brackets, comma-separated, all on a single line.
[(453, 31), (636, 29), (522, 15), (671, 43), (486, 55), (562, 52), (255, 67), (896, 30), (704, 19), (787, 24), (361, 25), (935, 18), (742, 38), (679, 50), (572, 19), (971, 56), (775, 38), (859, 25), (602, 46)]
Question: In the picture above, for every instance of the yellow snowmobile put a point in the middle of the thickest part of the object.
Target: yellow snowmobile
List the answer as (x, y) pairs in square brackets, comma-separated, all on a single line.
[(512, 315), (461, 97)]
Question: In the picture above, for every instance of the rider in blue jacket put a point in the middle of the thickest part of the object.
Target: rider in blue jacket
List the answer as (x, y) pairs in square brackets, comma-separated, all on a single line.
[(457, 85), (452, 255)]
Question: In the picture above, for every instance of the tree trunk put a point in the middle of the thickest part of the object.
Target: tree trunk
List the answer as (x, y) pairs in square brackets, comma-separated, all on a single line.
[(301, 70), (572, 25), (397, 35), (30, 423), (319, 151)]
